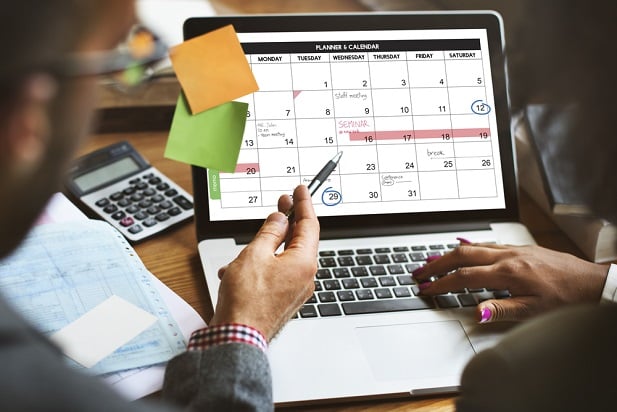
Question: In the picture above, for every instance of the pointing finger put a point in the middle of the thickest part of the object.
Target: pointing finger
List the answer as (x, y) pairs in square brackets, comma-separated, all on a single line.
[(306, 226)]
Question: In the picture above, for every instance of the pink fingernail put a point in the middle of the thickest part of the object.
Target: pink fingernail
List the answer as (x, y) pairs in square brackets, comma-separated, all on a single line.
[(463, 241), (418, 271), (486, 314), (432, 258), (424, 285)]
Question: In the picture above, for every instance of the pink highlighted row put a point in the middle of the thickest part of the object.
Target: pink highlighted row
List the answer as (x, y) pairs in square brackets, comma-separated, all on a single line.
[(406, 135)]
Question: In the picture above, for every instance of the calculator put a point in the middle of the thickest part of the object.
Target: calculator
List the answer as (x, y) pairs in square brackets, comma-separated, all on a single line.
[(117, 184)]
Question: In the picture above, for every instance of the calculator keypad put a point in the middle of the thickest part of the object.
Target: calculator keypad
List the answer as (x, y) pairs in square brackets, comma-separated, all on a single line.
[(142, 205)]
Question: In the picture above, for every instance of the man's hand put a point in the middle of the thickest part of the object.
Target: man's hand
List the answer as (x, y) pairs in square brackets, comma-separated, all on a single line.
[(264, 290), (538, 279)]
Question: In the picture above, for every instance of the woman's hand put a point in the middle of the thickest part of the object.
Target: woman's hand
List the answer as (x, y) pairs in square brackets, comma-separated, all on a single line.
[(538, 279)]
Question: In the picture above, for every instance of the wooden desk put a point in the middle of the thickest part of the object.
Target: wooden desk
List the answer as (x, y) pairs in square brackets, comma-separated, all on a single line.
[(173, 258)]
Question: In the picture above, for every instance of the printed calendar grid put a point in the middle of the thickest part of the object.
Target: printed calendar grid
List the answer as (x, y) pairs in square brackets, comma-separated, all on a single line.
[(448, 150)]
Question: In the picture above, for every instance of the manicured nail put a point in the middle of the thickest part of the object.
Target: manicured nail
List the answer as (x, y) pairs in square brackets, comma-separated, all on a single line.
[(424, 285), (463, 241), (418, 271), (432, 258), (486, 314)]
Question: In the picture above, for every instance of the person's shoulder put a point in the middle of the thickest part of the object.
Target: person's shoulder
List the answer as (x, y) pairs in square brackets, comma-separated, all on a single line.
[(12, 325), (574, 324), (562, 359)]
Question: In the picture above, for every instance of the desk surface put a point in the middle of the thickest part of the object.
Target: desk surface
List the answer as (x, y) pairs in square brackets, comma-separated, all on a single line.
[(172, 257)]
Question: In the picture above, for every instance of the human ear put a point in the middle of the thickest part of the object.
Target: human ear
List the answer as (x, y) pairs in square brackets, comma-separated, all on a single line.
[(25, 133)]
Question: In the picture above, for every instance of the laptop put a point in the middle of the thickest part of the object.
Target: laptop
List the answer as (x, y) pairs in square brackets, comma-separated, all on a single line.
[(417, 104)]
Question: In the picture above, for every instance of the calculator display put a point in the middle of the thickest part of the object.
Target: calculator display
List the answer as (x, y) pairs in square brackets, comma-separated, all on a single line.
[(107, 173)]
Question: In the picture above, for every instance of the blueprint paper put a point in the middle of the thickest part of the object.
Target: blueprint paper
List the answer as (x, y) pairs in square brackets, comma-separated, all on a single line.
[(63, 270), (136, 383)]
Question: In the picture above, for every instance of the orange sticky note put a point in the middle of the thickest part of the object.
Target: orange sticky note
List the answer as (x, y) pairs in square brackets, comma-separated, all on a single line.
[(212, 69)]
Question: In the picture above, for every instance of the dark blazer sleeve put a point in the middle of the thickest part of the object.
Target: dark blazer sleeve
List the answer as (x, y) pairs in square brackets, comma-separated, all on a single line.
[(34, 375), (563, 361), (229, 377)]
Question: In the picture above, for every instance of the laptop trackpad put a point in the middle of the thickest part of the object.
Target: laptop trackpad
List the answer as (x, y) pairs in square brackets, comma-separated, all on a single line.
[(416, 350)]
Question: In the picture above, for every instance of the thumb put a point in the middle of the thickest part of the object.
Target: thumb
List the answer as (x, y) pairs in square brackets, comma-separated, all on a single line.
[(512, 309), (272, 232), (222, 270)]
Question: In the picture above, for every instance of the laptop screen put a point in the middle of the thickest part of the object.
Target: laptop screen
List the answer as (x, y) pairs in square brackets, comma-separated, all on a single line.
[(414, 110)]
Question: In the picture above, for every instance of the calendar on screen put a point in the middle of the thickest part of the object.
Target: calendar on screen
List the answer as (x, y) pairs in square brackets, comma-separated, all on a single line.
[(411, 110)]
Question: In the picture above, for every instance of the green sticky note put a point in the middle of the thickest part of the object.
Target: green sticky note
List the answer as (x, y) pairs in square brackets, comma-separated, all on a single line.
[(208, 139)]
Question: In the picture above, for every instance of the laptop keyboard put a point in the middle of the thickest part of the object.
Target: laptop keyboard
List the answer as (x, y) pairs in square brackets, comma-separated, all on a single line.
[(377, 280)]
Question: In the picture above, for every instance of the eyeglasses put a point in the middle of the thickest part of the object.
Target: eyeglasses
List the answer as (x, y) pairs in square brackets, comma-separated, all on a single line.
[(128, 66)]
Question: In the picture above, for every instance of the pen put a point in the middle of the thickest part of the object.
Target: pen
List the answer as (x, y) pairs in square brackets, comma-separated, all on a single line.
[(318, 180)]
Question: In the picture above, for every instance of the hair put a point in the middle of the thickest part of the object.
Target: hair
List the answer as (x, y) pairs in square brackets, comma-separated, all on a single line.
[(36, 33)]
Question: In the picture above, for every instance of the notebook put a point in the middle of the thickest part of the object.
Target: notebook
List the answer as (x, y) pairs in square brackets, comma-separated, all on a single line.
[(417, 104)]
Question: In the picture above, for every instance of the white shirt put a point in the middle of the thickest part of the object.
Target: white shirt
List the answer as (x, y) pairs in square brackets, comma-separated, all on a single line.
[(609, 294)]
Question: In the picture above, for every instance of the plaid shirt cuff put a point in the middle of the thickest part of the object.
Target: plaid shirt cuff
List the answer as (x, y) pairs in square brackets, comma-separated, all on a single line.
[(228, 333)]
